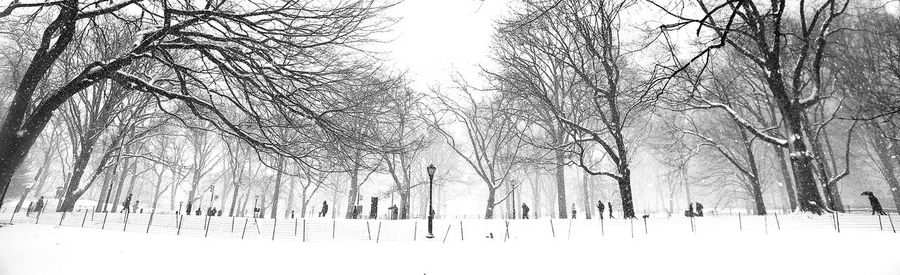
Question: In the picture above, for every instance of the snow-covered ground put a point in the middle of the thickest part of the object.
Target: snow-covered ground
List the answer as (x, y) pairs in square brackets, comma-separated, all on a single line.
[(49, 249)]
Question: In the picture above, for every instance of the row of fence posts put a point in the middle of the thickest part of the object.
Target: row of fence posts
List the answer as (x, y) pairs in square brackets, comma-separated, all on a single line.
[(179, 219), (836, 222)]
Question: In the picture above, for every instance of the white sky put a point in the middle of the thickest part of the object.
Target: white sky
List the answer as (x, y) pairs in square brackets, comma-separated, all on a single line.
[(436, 37)]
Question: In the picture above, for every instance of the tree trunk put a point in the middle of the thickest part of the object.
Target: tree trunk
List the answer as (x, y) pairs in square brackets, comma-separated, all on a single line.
[(81, 162), (22, 199), (489, 208), (585, 182), (103, 200), (786, 176), (262, 203), (793, 115), (625, 193), (19, 130), (404, 203), (536, 194), (832, 197), (234, 198), (305, 204), (242, 212), (192, 195), (801, 163), (560, 185), (290, 200), (277, 191), (121, 182), (755, 186), (353, 193), (156, 192)]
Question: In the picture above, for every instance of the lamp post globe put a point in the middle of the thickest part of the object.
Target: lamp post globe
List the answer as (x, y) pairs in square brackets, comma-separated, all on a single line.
[(431, 169)]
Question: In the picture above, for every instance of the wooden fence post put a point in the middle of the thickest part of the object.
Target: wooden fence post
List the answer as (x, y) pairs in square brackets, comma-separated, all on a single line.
[(304, 230), (274, 226), (126, 221), (693, 226), (602, 228), (368, 231), (880, 226), (180, 220), (462, 236), (645, 225), (104, 220), (82, 219), (740, 224), (632, 227), (63, 216), (415, 229), (570, 230), (777, 223), (333, 226), (505, 235), (206, 226), (892, 222), (151, 220), (378, 236), (448, 231), (244, 232), (837, 219), (39, 215), (552, 229)]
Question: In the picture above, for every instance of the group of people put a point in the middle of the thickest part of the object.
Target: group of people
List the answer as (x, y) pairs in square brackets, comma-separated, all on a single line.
[(211, 211), (600, 208), (35, 207), (608, 207), (691, 210)]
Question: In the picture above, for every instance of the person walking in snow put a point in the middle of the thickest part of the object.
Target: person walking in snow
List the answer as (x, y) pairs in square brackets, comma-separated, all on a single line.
[(525, 211), (324, 209), (198, 211), (573, 211), (873, 201), (690, 211), (600, 207), (126, 205), (699, 209), (39, 205), (609, 206)]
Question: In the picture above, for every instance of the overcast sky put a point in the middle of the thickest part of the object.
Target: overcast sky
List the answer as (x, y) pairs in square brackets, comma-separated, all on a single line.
[(435, 37)]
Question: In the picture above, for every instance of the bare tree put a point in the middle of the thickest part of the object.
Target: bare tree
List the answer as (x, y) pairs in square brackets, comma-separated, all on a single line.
[(765, 36), (489, 146), (204, 160), (583, 42), (282, 54)]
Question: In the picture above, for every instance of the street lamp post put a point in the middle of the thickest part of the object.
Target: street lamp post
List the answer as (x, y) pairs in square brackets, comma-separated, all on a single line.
[(430, 170), (212, 192)]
